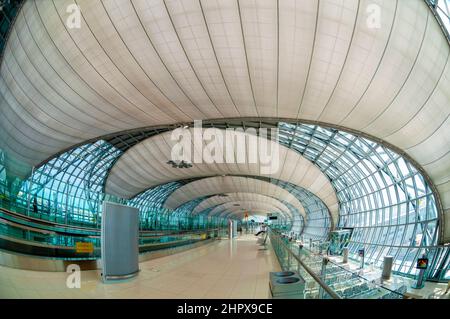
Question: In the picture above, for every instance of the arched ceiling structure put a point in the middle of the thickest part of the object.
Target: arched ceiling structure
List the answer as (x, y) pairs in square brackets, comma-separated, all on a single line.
[(248, 206), (240, 214), (238, 197), (145, 165), (220, 185), (141, 63)]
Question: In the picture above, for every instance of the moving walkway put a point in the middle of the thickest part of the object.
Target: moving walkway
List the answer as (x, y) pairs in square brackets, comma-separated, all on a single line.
[(31, 236)]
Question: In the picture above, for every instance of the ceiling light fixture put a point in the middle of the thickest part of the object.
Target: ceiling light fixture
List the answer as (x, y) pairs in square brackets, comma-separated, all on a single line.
[(179, 164)]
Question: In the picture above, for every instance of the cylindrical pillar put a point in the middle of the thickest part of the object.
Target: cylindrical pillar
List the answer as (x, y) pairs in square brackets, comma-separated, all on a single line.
[(230, 229), (387, 267), (345, 255)]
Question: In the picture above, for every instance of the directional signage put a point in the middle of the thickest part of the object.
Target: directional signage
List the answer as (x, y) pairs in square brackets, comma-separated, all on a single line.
[(83, 247)]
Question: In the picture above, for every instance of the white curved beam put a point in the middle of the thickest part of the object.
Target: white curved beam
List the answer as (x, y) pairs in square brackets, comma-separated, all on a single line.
[(145, 165), (235, 197), (249, 206), (308, 60), (230, 184), (241, 214)]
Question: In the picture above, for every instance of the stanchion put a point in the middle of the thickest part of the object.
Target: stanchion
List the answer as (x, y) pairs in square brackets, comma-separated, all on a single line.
[(422, 265), (323, 273), (361, 254), (345, 255), (387, 267)]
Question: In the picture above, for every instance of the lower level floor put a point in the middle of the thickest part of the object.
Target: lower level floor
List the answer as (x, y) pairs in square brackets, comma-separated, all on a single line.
[(236, 268)]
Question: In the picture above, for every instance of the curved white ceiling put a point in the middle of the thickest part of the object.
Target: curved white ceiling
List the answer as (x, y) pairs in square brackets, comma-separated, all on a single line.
[(139, 63), (257, 214), (250, 206), (261, 210), (145, 165), (230, 184), (238, 197), (297, 220)]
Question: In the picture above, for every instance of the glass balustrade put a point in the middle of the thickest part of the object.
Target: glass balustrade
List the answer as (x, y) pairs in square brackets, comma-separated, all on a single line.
[(25, 235), (343, 282)]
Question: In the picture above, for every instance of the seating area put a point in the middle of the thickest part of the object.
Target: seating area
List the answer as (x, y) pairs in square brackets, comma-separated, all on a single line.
[(312, 135), (346, 283)]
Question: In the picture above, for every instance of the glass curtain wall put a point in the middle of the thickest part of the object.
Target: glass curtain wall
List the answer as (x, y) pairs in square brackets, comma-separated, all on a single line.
[(441, 9), (382, 196), (318, 223), (69, 189)]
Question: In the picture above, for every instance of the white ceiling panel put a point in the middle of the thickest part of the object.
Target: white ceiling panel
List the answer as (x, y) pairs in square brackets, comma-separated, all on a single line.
[(231, 184), (145, 165), (140, 63), (238, 197)]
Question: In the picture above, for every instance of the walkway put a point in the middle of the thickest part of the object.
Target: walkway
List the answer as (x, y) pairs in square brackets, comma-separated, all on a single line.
[(222, 269)]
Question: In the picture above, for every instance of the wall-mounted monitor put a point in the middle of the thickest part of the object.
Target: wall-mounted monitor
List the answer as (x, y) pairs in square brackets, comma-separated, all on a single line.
[(422, 263), (361, 252)]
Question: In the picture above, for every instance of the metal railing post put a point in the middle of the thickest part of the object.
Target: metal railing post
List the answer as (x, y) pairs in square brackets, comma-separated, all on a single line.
[(316, 278)]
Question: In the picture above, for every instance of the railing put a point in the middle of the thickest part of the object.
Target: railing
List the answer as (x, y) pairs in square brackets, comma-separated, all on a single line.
[(349, 284), (66, 219), (290, 261), (36, 223), (342, 282), (19, 234), (438, 268), (438, 255)]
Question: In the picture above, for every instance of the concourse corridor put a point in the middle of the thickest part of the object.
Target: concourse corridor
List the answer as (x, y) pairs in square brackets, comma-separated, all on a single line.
[(222, 269), (139, 139)]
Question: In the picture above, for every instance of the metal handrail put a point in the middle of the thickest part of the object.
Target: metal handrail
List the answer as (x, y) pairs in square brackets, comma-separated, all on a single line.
[(64, 245), (49, 226), (354, 273), (325, 287), (142, 234)]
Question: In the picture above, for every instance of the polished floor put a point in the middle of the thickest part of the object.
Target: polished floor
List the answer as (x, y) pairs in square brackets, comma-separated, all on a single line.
[(223, 269)]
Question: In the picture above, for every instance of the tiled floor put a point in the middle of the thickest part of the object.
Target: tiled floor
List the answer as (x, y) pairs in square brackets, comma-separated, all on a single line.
[(222, 269)]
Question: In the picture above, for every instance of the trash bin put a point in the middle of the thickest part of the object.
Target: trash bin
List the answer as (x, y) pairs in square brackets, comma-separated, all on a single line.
[(387, 267), (286, 285), (345, 255)]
